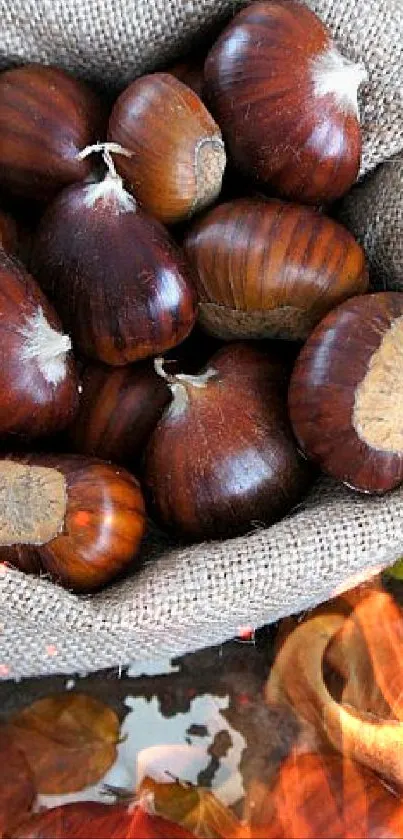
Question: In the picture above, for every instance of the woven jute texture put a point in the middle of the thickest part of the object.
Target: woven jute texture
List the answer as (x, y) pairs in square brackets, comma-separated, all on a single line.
[(200, 596), (186, 599), (374, 213)]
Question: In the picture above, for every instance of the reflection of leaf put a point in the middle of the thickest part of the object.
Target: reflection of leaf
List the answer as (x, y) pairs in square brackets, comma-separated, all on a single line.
[(195, 809), (17, 791), (69, 741), (323, 796), (101, 821)]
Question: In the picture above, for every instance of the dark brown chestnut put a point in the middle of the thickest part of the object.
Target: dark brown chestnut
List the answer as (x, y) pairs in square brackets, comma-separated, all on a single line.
[(346, 390), (78, 519), (38, 381), (286, 101), (119, 408), (222, 458), (177, 158), (119, 283), (269, 269), (46, 118), (8, 233)]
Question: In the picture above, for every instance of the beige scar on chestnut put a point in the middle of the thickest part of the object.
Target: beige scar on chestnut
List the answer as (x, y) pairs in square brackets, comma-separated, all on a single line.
[(33, 503)]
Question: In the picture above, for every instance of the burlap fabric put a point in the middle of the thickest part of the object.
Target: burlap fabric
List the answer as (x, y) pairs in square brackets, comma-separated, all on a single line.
[(185, 599), (374, 212)]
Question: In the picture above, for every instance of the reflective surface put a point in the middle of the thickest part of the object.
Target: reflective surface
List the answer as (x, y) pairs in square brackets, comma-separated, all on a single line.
[(292, 731)]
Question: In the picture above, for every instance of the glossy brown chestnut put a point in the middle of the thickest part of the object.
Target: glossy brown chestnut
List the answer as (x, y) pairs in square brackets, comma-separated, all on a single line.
[(38, 381), (46, 118), (177, 157), (323, 796), (222, 458), (78, 519), (268, 269), (119, 283), (346, 393), (119, 408), (286, 101), (8, 233)]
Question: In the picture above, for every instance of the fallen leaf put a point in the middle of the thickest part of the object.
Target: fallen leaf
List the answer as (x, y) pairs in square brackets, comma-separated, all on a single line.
[(196, 809), (90, 820), (17, 790), (324, 796), (69, 741)]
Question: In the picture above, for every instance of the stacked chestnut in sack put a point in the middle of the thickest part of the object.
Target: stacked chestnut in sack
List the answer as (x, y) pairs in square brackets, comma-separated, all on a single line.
[(160, 361)]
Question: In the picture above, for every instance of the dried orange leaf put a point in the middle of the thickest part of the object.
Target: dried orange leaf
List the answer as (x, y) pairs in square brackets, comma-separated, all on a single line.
[(196, 809), (17, 790), (69, 741)]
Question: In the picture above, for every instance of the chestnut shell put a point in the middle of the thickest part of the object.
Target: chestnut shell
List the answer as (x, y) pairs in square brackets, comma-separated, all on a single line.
[(323, 387), (119, 408), (31, 405), (271, 269), (260, 89), (119, 283), (103, 527), (224, 459), (46, 118)]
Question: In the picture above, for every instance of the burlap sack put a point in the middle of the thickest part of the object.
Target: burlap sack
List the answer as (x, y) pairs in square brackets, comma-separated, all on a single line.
[(374, 212), (189, 598)]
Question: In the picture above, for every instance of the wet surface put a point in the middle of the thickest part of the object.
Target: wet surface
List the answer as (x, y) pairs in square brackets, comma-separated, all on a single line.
[(306, 702)]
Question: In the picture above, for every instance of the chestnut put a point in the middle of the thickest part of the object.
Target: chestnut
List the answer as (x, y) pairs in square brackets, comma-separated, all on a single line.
[(271, 269), (177, 156), (38, 381), (286, 101), (8, 233), (345, 393), (46, 118), (119, 408), (119, 283), (223, 459), (78, 519)]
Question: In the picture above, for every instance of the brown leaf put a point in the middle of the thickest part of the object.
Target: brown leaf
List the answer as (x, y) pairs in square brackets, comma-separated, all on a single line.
[(69, 741), (195, 809), (17, 790), (325, 796)]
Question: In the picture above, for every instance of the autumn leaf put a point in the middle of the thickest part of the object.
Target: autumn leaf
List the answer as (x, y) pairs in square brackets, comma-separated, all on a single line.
[(194, 808), (90, 820), (17, 790), (69, 741)]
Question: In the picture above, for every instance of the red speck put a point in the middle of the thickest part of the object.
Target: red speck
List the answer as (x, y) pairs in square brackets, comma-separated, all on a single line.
[(82, 518), (4, 670), (51, 650), (3, 569), (191, 693), (246, 633), (243, 699)]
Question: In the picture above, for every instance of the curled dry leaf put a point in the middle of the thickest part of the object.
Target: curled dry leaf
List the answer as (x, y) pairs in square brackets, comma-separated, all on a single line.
[(348, 654), (297, 679), (17, 790), (196, 809), (103, 821), (69, 741), (325, 796), (380, 622)]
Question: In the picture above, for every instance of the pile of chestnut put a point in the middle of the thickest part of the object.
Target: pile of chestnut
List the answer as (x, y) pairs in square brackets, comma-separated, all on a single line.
[(102, 360)]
